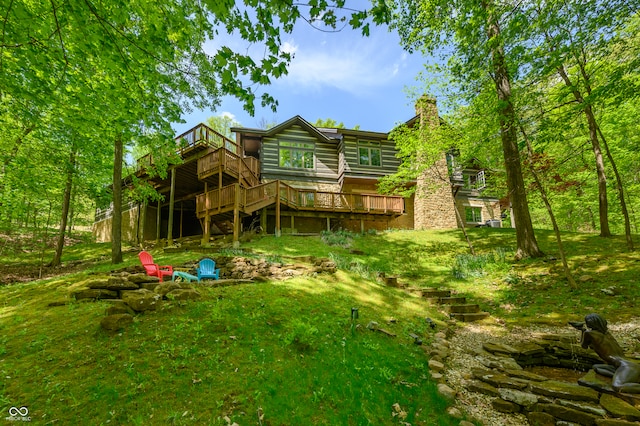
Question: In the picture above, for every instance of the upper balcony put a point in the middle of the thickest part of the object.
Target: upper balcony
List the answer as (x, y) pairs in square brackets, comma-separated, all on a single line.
[(196, 139)]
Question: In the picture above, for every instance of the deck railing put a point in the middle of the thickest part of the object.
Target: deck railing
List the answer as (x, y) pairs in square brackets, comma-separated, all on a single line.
[(205, 134), (223, 160), (265, 194)]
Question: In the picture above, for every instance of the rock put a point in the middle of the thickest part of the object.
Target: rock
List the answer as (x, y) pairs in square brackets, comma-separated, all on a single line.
[(555, 389), (119, 307), (116, 322), (569, 414), (466, 423), (501, 381), (541, 419), (585, 278), (614, 422), (583, 407), (141, 300), (454, 412), (149, 286), (499, 348), (97, 293), (524, 399), (526, 375), (505, 406), (446, 391), (183, 294), (142, 278), (97, 283), (163, 288), (483, 388), (619, 408), (435, 365), (119, 283)]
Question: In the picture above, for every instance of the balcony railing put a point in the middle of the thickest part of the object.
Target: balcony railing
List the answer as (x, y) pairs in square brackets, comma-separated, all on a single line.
[(203, 134), (230, 163)]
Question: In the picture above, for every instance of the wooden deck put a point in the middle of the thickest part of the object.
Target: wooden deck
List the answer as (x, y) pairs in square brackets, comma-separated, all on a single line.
[(246, 170), (226, 199)]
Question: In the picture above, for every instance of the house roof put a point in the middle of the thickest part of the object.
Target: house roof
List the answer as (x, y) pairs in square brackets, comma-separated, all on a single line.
[(295, 120), (327, 134)]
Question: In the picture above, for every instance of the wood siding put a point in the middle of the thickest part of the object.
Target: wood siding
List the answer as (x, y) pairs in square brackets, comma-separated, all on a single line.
[(352, 167), (325, 158)]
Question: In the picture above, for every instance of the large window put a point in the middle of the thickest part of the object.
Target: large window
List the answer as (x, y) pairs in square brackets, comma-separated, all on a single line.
[(296, 155), (369, 153), (473, 214)]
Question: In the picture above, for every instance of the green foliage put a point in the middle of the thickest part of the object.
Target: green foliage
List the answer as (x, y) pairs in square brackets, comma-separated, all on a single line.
[(341, 238), (470, 266)]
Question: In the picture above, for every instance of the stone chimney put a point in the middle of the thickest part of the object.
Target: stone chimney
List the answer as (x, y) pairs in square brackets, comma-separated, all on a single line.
[(434, 204)]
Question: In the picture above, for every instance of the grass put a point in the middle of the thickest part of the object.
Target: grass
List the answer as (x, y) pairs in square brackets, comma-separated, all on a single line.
[(286, 352)]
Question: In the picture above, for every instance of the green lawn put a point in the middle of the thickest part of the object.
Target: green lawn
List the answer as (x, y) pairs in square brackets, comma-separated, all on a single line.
[(285, 352)]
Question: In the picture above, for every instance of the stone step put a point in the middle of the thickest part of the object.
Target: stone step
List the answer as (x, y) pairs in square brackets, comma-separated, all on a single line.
[(433, 293), (471, 317), (469, 308), (448, 300)]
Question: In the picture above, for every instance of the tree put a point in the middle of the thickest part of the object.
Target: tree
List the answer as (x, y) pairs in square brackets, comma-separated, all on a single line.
[(328, 123), (134, 67), (470, 32), (578, 38), (222, 124)]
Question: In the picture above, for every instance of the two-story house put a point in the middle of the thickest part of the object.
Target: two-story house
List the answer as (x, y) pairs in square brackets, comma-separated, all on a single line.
[(292, 178)]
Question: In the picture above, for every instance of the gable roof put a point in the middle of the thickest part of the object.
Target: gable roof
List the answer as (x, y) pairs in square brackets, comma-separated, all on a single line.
[(295, 120)]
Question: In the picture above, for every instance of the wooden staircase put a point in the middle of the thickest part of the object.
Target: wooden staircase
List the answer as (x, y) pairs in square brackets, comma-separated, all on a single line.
[(456, 306)]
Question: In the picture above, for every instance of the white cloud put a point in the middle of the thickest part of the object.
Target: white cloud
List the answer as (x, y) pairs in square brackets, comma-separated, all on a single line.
[(227, 114), (353, 67)]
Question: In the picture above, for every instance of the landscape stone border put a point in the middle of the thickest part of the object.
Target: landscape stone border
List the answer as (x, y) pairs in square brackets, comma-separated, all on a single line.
[(542, 400), (130, 291)]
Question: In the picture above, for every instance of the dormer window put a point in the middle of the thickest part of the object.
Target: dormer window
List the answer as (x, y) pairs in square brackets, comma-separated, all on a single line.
[(369, 153)]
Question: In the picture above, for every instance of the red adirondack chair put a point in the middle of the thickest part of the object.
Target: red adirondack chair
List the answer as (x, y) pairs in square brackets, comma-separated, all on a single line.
[(153, 269)]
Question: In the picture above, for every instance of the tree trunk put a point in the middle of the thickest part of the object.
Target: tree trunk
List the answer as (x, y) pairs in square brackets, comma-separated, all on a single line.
[(527, 246), (116, 219), (620, 188), (552, 216), (597, 152), (66, 202)]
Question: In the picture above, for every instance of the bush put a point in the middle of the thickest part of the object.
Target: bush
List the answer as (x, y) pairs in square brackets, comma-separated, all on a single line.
[(467, 265), (341, 238)]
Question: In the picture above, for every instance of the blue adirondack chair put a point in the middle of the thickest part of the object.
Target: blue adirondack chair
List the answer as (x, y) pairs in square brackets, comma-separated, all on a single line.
[(207, 269)]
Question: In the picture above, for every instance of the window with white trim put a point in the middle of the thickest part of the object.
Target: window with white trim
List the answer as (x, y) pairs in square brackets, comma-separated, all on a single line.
[(473, 214), (369, 153), (475, 180), (296, 155)]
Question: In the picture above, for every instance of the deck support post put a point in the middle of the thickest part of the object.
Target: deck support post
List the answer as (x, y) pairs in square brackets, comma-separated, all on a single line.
[(293, 225), (328, 224), (278, 231), (263, 220), (181, 216), (361, 225), (171, 203), (142, 218), (236, 215), (158, 221), (206, 221)]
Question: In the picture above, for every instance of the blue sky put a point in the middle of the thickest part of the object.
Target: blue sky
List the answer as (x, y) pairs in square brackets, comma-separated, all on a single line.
[(352, 79)]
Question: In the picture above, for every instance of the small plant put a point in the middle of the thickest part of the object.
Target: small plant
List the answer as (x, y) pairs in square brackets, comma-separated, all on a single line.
[(467, 265), (341, 238), (301, 336)]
